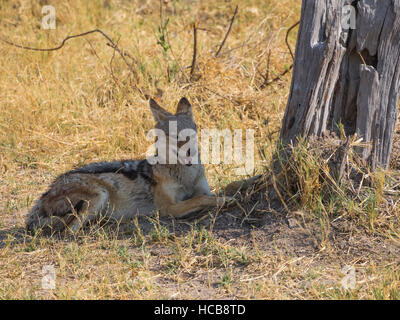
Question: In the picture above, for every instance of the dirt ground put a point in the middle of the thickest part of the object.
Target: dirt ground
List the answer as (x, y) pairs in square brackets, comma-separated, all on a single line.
[(254, 228)]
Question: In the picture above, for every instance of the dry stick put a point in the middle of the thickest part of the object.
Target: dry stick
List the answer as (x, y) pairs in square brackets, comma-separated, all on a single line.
[(266, 78), (287, 37), (171, 48), (116, 80), (162, 39), (268, 64), (176, 59), (62, 44), (111, 44), (123, 54), (227, 33), (362, 58), (266, 84), (101, 61), (194, 49), (247, 42), (95, 53), (278, 77)]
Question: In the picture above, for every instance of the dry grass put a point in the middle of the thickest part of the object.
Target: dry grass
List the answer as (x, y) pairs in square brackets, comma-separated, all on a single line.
[(80, 104)]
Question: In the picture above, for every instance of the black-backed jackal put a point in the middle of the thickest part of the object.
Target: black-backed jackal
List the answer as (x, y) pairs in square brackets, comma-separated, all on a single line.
[(123, 189)]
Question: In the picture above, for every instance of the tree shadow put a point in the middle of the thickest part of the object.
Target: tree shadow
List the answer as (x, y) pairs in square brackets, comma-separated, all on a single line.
[(249, 212), (15, 234), (238, 219)]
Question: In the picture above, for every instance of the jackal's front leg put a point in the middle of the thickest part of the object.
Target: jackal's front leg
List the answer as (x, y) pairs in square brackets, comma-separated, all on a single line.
[(183, 208)]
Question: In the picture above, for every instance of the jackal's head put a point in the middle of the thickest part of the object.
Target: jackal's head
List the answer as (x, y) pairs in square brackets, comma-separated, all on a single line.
[(176, 134)]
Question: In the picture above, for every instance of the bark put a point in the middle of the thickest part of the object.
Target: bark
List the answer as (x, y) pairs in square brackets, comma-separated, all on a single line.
[(347, 76)]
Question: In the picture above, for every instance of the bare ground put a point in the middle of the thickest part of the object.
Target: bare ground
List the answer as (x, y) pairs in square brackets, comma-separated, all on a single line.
[(293, 248)]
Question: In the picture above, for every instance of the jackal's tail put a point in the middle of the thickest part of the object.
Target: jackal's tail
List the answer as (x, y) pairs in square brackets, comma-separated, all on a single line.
[(68, 205)]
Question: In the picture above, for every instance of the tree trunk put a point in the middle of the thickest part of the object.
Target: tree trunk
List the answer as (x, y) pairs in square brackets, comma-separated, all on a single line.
[(348, 76)]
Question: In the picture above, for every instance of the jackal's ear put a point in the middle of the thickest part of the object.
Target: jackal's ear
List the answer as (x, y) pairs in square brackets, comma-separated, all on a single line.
[(185, 107), (159, 113)]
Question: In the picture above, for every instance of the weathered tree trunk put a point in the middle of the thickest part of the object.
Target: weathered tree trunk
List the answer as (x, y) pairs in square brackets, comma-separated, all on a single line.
[(347, 75)]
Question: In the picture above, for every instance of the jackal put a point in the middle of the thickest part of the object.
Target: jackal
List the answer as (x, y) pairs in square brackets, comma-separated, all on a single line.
[(122, 189)]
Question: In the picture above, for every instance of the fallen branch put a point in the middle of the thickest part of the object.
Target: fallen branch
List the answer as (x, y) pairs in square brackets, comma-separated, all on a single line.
[(194, 49), (227, 33)]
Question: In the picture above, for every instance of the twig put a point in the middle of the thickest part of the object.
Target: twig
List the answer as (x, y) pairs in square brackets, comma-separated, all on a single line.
[(161, 39), (268, 64), (194, 49), (247, 42), (274, 276), (61, 45), (116, 80), (362, 58), (176, 58), (266, 84), (277, 78), (95, 53), (123, 54), (287, 37), (101, 61), (229, 30)]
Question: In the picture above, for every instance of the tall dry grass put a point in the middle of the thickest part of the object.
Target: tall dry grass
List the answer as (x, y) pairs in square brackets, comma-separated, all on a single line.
[(79, 104)]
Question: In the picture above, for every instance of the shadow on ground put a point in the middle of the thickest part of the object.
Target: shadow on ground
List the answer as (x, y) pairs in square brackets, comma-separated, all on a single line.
[(15, 234), (249, 223)]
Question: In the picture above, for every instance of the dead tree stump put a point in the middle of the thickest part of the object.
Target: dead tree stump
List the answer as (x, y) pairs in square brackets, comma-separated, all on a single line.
[(347, 71)]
